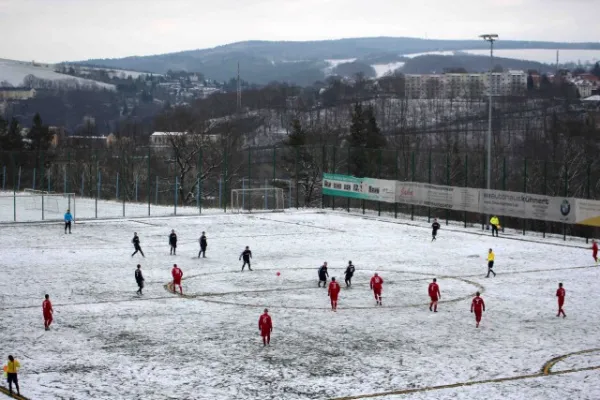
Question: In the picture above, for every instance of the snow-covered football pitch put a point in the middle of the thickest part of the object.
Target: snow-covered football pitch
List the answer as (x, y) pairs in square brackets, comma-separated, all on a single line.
[(108, 343)]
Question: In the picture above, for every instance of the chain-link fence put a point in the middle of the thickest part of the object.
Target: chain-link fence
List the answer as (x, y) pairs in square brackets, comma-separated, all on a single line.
[(116, 183)]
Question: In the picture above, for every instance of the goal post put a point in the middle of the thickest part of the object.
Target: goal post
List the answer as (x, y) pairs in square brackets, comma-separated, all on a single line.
[(52, 205), (259, 199)]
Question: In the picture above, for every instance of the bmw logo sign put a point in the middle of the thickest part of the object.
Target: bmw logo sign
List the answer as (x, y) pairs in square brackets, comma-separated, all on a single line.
[(565, 208)]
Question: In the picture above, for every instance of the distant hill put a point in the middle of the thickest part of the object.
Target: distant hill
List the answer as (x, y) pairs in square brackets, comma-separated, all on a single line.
[(432, 63), (306, 62)]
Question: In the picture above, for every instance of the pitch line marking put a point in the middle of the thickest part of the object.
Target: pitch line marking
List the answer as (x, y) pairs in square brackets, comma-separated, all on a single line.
[(14, 396), (464, 384), (547, 368)]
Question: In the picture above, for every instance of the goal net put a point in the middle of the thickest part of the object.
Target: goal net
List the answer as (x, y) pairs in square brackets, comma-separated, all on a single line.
[(49, 203), (263, 199)]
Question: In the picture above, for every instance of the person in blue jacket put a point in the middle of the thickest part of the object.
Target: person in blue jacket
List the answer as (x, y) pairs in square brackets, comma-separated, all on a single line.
[(68, 220)]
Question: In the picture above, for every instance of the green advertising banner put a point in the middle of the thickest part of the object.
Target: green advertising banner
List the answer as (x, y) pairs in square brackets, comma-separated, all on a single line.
[(359, 188)]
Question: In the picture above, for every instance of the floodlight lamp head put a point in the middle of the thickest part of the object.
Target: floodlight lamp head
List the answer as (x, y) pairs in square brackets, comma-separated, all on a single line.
[(489, 37)]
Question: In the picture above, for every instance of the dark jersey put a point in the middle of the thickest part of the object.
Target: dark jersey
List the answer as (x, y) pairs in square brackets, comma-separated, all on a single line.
[(173, 239), (138, 275), (203, 242), (435, 226), (246, 255), (350, 271), (323, 271), (136, 240)]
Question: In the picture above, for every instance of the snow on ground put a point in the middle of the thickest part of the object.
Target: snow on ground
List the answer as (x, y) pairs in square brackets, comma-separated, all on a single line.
[(108, 343), (14, 72), (385, 69)]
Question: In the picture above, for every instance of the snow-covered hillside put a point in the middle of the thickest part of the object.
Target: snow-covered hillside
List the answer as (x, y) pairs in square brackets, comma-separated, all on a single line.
[(14, 72)]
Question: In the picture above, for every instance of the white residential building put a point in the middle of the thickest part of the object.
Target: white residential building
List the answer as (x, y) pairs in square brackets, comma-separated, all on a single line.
[(461, 85)]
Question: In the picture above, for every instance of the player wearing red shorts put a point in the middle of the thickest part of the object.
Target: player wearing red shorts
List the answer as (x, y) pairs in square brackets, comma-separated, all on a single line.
[(434, 295), (333, 292), (377, 286), (177, 275)]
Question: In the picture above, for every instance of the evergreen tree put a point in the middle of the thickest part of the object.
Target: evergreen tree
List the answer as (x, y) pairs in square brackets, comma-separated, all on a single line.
[(13, 139), (596, 69), (530, 83), (39, 134), (365, 140)]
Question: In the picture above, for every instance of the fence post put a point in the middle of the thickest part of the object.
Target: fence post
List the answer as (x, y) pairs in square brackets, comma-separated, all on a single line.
[(348, 173), (226, 178), (503, 184), (380, 156), (136, 188), (49, 183), (447, 181), (324, 170), (566, 195), (149, 181), (266, 197), (297, 183), (117, 186), (12, 162), (466, 180), (290, 194), (43, 171), (243, 194), (249, 176), (19, 180), (97, 185), (396, 177), (220, 191), (200, 181), (82, 184), (176, 193), (545, 188), (412, 168), (524, 189), (34, 172), (4, 177), (483, 185), (333, 171), (589, 172), (429, 180)]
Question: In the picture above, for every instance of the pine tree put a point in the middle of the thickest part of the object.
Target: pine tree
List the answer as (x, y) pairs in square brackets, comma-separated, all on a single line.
[(365, 140), (596, 69), (39, 134)]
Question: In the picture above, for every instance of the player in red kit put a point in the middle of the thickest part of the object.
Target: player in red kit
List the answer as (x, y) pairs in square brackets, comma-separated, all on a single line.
[(434, 295), (48, 311), (376, 286), (595, 251), (478, 306), (560, 294), (177, 274), (333, 292), (265, 326)]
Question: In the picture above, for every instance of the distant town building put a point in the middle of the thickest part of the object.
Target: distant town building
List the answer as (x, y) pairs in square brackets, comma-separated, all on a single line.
[(18, 93)]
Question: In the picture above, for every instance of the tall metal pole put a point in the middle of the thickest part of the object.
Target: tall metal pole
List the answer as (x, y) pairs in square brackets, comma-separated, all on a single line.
[(489, 38)]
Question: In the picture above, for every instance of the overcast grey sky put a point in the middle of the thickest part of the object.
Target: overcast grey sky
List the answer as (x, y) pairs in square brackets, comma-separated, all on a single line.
[(58, 30)]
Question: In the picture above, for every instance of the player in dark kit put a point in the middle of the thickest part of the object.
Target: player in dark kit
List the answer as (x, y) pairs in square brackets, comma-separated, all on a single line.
[(434, 228), (349, 274), (173, 242), (139, 278), (246, 255), (203, 245), (323, 274), (136, 245)]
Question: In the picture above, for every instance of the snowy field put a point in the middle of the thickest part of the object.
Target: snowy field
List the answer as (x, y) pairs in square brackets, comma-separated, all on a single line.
[(109, 343)]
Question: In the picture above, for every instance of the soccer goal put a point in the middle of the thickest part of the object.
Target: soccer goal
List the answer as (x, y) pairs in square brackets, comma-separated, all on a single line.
[(262, 199), (49, 203)]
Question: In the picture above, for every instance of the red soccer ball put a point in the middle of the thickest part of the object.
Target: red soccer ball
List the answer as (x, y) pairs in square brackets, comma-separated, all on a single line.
[(278, 273)]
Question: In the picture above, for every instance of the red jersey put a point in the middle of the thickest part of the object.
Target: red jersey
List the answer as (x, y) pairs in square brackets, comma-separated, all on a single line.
[(434, 290), (376, 282), (334, 289), (177, 273), (560, 293), (47, 307), (477, 305), (595, 248), (264, 323)]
